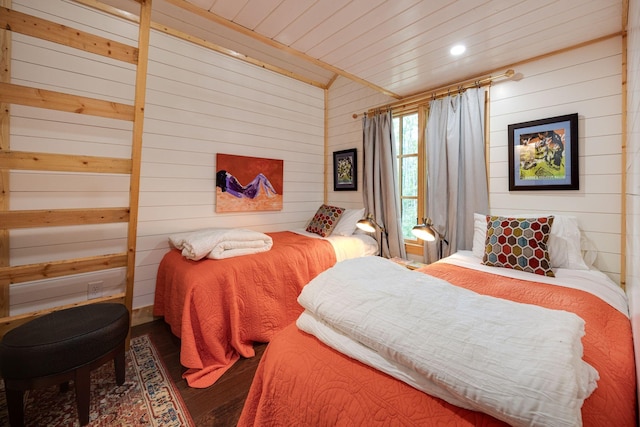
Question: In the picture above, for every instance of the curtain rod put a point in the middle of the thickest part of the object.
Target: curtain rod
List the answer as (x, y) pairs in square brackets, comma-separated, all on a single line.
[(415, 100)]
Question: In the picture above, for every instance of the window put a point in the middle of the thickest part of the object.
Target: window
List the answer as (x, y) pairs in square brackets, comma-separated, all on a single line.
[(411, 170)]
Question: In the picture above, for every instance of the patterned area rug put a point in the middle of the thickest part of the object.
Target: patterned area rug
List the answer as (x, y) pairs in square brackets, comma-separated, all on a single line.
[(148, 396)]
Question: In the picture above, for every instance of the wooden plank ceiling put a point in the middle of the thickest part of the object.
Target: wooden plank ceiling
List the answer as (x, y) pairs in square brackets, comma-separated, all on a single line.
[(400, 47)]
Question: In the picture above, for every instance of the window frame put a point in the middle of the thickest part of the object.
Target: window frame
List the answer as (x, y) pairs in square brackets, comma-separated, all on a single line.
[(414, 246)]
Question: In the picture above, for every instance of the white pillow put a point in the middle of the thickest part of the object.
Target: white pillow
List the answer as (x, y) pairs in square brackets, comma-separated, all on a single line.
[(564, 241), (347, 223), (479, 235)]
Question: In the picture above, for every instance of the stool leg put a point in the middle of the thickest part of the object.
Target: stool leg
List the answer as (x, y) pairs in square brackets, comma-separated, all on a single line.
[(15, 406), (119, 364), (83, 391)]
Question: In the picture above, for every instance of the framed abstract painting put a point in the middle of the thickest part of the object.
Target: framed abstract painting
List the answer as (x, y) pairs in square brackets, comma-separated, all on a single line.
[(543, 154), (248, 183), (345, 170)]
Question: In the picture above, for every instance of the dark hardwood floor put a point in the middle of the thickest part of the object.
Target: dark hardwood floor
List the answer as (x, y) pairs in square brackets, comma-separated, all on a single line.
[(218, 405)]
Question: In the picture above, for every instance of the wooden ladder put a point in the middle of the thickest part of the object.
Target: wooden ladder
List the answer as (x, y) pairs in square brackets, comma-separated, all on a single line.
[(14, 21)]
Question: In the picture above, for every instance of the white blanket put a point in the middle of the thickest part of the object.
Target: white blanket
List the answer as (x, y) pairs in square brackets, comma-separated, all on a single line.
[(517, 362), (220, 243)]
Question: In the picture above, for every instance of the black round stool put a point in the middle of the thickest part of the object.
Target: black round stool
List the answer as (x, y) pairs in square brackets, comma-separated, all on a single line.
[(62, 346)]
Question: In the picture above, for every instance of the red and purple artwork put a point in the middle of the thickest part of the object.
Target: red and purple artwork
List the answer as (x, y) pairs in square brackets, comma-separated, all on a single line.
[(248, 183)]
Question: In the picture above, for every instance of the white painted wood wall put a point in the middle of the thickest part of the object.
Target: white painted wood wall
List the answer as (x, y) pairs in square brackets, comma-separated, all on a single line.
[(346, 98), (51, 66), (199, 103), (586, 81)]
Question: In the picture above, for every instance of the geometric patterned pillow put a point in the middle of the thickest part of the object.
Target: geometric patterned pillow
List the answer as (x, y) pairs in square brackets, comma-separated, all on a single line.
[(325, 219), (518, 243)]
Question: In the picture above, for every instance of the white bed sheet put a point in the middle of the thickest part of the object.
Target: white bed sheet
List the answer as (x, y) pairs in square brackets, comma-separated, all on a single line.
[(347, 247), (593, 281)]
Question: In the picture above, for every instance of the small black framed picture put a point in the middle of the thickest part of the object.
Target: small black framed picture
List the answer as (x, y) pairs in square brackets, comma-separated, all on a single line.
[(543, 154), (345, 170)]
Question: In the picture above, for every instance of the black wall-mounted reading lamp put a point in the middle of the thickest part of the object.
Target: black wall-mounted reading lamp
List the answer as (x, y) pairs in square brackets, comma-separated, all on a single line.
[(370, 225), (427, 232)]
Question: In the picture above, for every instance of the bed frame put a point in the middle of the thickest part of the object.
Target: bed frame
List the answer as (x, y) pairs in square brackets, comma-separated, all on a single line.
[(14, 21)]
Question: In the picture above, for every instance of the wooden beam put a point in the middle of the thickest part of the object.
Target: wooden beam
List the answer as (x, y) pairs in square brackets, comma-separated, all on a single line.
[(202, 42), (99, 5), (60, 217), (5, 114), (7, 323), (58, 33), (42, 98), (332, 80), (22, 160), (266, 40), (325, 172), (47, 270), (623, 160), (11, 160), (136, 148), (237, 55)]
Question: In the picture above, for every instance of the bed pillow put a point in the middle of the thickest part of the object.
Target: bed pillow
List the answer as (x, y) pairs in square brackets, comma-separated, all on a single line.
[(519, 243), (325, 220), (479, 234), (564, 242), (347, 224)]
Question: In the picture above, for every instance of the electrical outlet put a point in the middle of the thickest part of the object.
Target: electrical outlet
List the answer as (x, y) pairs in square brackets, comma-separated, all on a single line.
[(94, 289)]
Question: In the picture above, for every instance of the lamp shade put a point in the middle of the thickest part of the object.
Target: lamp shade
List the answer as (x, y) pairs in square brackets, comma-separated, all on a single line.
[(367, 224), (424, 232)]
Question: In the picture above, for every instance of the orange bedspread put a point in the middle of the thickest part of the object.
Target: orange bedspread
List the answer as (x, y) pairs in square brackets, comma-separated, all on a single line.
[(301, 381), (219, 308)]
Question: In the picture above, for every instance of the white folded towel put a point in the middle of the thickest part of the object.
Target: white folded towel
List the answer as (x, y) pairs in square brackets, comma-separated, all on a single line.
[(220, 243)]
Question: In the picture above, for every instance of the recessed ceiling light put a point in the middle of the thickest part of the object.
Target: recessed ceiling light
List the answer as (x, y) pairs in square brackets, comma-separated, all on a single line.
[(457, 50)]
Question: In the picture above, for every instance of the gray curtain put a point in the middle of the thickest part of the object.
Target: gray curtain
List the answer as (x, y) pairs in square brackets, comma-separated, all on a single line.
[(380, 182), (456, 170)]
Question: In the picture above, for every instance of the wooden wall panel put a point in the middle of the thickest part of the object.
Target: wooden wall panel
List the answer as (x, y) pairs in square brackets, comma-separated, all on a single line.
[(171, 16), (61, 243), (344, 132), (586, 81), (83, 18), (200, 103), (632, 166), (70, 174), (58, 33), (37, 129), (5, 144), (39, 295)]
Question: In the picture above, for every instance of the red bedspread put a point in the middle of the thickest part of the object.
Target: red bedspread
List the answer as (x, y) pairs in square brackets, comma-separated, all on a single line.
[(219, 308), (301, 381)]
